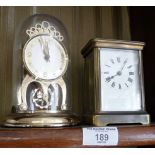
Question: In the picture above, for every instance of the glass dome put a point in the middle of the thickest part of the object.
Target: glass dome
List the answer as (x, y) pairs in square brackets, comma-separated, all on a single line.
[(41, 74)]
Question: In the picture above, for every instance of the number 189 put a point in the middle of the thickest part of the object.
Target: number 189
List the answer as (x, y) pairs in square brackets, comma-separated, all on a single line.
[(102, 137)]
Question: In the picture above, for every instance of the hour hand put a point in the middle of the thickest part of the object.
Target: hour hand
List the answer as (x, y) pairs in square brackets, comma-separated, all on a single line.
[(109, 78), (45, 49), (46, 52)]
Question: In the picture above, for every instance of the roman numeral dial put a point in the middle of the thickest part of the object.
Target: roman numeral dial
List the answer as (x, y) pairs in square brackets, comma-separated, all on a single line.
[(119, 72)]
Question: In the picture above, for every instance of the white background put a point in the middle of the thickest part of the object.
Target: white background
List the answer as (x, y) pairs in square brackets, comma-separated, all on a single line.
[(78, 2), (79, 151)]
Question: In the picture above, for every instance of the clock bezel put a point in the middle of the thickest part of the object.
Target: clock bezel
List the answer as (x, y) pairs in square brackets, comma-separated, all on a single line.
[(66, 61)]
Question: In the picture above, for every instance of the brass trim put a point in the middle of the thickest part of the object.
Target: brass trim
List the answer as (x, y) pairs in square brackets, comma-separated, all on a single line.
[(100, 43), (21, 95), (111, 119), (38, 78), (41, 120), (97, 93), (142, 80)]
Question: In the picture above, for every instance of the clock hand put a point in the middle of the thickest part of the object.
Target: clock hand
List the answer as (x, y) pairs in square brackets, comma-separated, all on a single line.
[(46, 52), (45, 49), (108, 79), (119, 73), (41, 42), (124, 63)]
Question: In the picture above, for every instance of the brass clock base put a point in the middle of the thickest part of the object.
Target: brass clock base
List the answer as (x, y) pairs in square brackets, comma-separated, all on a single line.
[(41, 120), (110, 119)]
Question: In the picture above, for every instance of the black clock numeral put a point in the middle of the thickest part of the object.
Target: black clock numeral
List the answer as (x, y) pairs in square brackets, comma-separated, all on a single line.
[(129, 66), (119, 86), (113, 84), (106, 72), (107, 65), (131, 73), (126, 60), (112, 61), (118, 59), (108, 79), (126, 85), (130, 80)]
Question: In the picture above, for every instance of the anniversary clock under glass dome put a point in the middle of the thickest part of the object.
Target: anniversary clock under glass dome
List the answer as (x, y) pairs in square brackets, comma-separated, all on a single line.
[(41, 74)]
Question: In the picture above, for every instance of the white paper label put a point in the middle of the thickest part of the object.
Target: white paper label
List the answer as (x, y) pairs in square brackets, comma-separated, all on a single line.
[(103, 136)]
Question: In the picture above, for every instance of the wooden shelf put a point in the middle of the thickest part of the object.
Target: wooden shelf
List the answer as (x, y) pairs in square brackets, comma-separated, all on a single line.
[(129, 136)]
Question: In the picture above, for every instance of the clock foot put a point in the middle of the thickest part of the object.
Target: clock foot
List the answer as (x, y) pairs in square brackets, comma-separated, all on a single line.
[(110, 119), (41, 120)]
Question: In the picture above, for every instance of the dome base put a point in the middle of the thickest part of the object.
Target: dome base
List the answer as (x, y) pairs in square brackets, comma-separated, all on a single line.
[(41, 120)]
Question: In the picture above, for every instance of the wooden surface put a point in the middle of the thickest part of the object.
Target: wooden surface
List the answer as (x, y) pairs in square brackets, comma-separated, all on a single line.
[(129, 136)]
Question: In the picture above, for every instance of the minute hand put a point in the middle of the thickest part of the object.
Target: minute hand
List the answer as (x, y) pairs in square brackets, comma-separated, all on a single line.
[(123, 65), (46, 51)]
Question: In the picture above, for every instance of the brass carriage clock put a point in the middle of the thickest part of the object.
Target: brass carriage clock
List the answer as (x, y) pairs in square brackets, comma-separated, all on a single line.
[(114, 89), (41, 75)]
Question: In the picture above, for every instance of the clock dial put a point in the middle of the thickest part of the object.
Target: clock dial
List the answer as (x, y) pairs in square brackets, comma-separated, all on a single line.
[(120, 80), (118, 73), (45, 58)]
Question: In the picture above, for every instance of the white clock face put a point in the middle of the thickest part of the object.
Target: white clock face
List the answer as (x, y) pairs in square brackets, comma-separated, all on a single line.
[(120, 80), (45, 58)]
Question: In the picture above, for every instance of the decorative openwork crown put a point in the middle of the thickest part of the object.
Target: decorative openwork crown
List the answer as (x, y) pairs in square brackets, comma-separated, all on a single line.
[(44, 28)]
